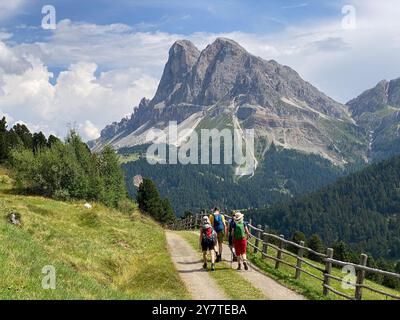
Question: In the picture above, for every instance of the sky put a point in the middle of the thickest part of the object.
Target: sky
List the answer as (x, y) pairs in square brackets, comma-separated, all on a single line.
[(103, 56)]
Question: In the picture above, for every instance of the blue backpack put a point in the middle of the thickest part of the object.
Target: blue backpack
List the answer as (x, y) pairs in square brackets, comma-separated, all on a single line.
[(218, 223)]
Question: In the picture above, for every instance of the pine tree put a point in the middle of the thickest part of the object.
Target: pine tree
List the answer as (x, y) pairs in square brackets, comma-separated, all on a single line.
[(341, 251), (149, 202), (168, 215), (24, 134), (112, 177), (147, 195), (297, 237), (39, 141), (3, 139), (315, 243), (52, 140)]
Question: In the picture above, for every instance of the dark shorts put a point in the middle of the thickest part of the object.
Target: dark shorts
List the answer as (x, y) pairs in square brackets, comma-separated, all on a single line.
[(230, 240), (207, 245)]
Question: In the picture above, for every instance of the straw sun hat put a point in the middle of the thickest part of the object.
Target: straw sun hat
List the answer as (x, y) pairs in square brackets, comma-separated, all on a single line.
[(238, 216)]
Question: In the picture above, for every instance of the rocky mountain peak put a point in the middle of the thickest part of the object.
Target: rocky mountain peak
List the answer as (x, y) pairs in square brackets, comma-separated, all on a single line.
[(183, 56), (246, 91), (226, 45), (385, 93), (394, 93)]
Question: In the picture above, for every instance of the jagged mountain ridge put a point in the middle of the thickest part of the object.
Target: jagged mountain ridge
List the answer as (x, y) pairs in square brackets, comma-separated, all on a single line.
[(224, 80), (377, 110)]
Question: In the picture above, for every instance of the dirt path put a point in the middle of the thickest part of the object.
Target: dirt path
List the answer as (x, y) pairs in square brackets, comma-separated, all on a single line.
[(269, 287), (202, 286), (199, 283)]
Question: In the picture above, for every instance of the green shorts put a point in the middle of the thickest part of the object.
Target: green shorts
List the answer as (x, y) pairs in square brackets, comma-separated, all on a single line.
[(220, 236)]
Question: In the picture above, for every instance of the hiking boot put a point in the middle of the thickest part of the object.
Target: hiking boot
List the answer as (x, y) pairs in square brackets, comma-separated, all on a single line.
[(205, 266), (246, 267), (212, 267), (239, 267)]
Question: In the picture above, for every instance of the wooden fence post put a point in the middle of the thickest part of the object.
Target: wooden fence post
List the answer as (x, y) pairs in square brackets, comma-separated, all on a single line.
[(360, 277), (265, 242), (328, 270), (300, 254), (279, 253), (257, 242)]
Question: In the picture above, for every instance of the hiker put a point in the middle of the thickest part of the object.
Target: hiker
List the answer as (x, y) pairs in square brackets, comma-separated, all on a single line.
[(240, 233), (231, 225), (208, 241), (217, 220)]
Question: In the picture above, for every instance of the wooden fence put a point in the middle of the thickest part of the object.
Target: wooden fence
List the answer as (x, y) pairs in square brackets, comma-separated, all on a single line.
[(264, 240)]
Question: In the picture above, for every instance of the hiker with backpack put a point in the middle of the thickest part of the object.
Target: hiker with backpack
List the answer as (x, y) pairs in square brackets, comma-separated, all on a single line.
[(208, 241), (241, 233), (231, 226), (217, 220)]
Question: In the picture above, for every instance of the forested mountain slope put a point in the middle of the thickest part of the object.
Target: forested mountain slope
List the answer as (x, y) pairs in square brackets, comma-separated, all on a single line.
[(362, 209)]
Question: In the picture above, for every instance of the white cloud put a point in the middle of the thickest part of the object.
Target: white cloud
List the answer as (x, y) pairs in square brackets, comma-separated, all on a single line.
[(90, 130), (109, 68), (112, 46), (10, 8), (11, 62), (78, 95)]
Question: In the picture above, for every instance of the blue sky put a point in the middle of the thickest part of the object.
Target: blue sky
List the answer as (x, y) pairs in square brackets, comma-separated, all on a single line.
[(104, 56), (185, 17)]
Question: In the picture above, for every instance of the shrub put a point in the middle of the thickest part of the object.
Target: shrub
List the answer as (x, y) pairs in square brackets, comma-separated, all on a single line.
[(62, 195), (69, 170)]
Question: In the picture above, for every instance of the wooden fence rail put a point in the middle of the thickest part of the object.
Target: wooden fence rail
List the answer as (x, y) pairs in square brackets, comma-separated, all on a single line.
[(262, 242)]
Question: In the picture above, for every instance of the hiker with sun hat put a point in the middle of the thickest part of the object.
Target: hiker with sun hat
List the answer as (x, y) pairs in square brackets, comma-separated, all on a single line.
[(240, 233)]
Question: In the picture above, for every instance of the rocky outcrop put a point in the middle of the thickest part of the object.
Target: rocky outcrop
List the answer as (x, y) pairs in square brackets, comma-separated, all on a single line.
[(252, 92), (377, 110)]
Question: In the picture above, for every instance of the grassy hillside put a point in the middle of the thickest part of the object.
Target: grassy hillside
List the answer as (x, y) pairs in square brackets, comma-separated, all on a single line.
[(98, 253)]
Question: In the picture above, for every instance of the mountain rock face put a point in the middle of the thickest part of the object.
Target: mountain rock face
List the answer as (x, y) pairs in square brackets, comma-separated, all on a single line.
[(385, 93), (224, 85), (377, 110), (304, 140)]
